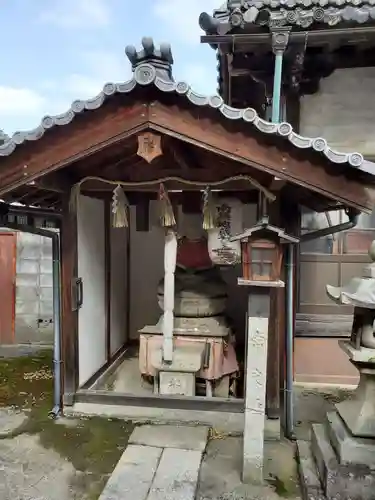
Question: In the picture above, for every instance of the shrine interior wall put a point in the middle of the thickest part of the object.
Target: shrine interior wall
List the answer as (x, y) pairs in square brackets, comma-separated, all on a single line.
[(119, 240), (91, 269), (342, 111)]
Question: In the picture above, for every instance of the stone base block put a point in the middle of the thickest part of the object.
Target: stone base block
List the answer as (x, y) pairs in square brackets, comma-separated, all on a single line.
[(185, 359), (176, 383), (349, 449), (333, 467), (340, 481)]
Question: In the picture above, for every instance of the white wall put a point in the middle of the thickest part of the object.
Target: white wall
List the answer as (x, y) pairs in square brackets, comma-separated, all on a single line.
[(146, 270), (91, 268), (343, 111), (119, 303)]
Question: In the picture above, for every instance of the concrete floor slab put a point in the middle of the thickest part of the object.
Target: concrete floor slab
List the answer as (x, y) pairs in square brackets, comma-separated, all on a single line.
[(232, 423), (171, 436), (177, 475), (133, 475)]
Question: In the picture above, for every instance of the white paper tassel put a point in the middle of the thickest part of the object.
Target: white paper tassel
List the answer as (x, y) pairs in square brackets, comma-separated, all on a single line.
[(119, 208), (167, 218), (209, 210)]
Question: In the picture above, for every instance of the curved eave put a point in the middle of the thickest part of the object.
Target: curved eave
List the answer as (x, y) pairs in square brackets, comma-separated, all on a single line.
[(147, 76), (303, 15)]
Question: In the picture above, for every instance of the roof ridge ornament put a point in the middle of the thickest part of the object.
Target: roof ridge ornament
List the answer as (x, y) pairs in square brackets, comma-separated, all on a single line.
[(150, 62)]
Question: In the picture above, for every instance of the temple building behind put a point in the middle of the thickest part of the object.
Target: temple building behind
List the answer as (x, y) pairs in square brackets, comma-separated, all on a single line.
[(328, 78)]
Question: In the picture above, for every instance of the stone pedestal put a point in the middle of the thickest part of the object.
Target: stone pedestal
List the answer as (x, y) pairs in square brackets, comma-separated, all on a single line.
[(359, 412), (341, 461), (177, 378)]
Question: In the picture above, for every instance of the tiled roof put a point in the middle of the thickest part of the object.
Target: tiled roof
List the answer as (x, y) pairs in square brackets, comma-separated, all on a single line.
[(146, 74), (301, 13)]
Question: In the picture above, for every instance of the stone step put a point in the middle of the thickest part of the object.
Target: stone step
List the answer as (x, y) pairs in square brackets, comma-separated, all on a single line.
[(133, 475), (177, 475), (171, 436), (309, 479), (323, 453)]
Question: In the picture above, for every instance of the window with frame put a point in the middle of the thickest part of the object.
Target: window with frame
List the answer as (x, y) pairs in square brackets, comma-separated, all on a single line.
[(355, 241)]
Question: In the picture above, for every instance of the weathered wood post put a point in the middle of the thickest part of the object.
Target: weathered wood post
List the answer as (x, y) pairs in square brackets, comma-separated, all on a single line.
[(261, 268)]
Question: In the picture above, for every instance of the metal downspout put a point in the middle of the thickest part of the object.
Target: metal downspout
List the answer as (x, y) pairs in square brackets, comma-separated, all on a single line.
[(344, 226), (289, 376), (289, 339), (55, 237)]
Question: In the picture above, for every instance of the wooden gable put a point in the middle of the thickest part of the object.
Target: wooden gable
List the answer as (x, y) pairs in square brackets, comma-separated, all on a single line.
[(173, 110)]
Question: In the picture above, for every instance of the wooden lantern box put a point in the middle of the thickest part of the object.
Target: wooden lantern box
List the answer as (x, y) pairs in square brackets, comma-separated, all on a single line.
[(262, 254)]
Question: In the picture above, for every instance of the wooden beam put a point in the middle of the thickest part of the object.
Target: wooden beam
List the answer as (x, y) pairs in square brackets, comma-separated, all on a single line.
[(202, 127), (275, 326), (79, 140), (58, 182), (238, 143), (142, 214), (69, 265), (178, 155)]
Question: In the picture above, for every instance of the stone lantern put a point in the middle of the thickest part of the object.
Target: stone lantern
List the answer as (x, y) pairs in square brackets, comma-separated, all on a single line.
[(343, 448)]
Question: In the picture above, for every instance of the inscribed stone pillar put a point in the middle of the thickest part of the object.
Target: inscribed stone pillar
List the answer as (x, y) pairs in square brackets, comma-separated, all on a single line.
[(255, 384)]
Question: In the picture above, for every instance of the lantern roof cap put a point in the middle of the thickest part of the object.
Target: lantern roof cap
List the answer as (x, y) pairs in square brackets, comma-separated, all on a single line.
[(264, 225), (360, 291)]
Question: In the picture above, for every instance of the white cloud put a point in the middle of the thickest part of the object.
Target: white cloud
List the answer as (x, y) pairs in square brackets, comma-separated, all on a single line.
[(182, 17), (100, 67), (20, 101), (77, 13)]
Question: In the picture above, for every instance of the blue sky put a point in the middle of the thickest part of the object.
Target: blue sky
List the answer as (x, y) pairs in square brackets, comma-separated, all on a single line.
[(56, 51)]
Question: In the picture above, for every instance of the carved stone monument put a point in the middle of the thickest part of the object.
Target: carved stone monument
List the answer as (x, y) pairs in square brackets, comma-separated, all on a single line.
[(341, 464)]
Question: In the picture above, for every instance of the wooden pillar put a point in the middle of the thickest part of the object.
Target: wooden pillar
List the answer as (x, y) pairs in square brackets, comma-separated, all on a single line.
[(275, 335), (291, 221), (69, 319)]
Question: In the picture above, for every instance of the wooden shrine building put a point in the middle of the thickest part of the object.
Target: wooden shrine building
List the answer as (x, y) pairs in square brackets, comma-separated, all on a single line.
[(139, 135)]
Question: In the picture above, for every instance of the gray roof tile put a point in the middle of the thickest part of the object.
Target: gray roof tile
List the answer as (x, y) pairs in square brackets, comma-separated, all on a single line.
[(303, 13)]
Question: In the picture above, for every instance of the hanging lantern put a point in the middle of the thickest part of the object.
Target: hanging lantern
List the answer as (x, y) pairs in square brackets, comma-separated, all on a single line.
[(229, 222)]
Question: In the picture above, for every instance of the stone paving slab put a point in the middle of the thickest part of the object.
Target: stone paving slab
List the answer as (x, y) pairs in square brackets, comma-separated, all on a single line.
[(10, 420), (171, 436), (28, 471), (133, 475), (177, 475)]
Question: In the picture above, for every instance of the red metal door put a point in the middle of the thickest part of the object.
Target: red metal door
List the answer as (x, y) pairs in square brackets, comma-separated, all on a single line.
[(7, 286)]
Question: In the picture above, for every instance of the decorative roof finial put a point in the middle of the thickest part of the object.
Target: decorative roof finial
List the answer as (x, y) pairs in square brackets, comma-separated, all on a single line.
[(160, 60)]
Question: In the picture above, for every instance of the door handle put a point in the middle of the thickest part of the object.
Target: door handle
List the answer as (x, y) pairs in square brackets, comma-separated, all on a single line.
[(77, 293)]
